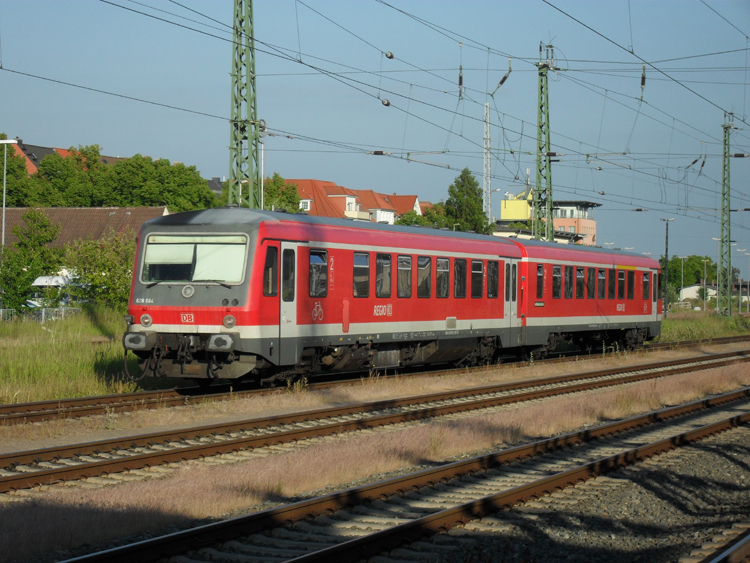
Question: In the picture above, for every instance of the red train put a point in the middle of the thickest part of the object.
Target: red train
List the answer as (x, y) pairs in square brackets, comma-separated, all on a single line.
[(230, 293)]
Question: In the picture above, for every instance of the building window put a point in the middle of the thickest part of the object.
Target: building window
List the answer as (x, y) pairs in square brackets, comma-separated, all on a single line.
[(304, 205)]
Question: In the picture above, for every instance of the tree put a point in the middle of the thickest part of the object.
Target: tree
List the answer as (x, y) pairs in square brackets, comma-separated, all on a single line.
[(463, 208), (17, 180), (103, 269), (280, 194), (142, 181), (31, 257)]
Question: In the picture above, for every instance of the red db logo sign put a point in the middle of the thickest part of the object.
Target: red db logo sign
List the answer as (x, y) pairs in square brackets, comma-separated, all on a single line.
[(187, 317)]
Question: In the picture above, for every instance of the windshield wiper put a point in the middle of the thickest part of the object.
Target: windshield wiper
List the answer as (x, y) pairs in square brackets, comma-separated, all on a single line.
[(222, 283), (152, 284)]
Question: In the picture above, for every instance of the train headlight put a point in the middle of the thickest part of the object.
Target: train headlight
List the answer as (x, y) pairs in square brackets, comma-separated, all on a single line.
[(229, 321), (146, 320)]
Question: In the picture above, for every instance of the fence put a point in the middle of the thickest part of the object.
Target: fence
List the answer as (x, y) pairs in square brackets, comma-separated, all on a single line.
[(40, 314)]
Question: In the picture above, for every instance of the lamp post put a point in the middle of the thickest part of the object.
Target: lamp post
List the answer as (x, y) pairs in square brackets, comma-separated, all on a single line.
[(705, 296), (5, 142), (666, 263)]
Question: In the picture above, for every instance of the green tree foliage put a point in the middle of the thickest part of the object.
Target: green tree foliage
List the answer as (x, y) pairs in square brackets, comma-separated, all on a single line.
[(280, 194), (142, 181), (434, 216), (693, 270), (31, 257), (16, 177), (78, 180), (103, 269), (81, 179), (463, 208)]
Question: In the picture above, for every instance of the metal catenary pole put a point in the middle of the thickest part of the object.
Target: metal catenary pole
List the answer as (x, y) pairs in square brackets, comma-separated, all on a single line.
[(245, 128)]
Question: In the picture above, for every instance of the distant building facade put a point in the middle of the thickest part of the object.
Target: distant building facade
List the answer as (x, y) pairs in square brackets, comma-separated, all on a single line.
[(326, 199)]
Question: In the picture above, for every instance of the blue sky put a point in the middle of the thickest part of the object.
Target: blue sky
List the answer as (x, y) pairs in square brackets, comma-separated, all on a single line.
[(640, 153)]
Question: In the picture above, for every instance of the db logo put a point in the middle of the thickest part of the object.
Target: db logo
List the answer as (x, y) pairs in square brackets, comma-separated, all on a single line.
[(187, 317)]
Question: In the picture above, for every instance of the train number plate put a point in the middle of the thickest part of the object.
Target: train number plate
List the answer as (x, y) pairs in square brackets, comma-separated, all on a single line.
[(187, 317)]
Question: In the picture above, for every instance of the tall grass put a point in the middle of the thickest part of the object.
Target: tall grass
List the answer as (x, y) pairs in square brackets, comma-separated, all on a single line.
[(694, 325), (78, 356)]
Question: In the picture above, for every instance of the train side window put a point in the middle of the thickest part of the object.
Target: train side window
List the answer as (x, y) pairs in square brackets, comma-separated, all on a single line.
[(611, 284), (424, 276), (591, 285), (507, 281), (556, 282), (403, 282), (631, 284), (539, 281), (620, 284), (568, 282), (477, 275), (513, 283), (646, 290), (442, 280), (602, 284), (580, 283), (361, 274), (271, 272), (459, 278), (493, 278), (383, 275), (318, 273), (287, 275)]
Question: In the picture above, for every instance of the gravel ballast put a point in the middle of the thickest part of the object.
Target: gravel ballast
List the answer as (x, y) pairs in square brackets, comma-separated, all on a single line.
[(657, 511)]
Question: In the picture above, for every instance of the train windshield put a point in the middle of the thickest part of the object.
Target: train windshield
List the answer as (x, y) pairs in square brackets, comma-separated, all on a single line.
[(194, 258)]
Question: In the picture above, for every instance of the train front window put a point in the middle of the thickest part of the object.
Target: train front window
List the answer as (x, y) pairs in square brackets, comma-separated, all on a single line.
[(194, 258)]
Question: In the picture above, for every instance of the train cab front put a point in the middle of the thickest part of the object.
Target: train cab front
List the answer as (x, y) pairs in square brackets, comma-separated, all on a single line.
[(188, 304)]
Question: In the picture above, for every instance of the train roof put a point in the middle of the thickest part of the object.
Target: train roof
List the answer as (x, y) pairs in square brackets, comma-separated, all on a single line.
[(252, 218)]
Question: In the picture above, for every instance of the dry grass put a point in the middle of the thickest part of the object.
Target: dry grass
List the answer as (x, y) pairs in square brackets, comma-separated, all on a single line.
[(74, 517), (31, 436)]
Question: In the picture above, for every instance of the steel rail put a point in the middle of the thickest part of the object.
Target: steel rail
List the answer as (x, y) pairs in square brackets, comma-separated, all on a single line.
[(736, 551), (195, 538), (21, 413), (141, 460)]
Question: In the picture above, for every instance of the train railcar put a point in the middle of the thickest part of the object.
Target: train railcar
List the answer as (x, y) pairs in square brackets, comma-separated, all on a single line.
[(229, 293)]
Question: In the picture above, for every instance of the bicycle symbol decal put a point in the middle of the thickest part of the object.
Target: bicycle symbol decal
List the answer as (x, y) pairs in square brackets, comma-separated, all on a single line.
[(317, 312)]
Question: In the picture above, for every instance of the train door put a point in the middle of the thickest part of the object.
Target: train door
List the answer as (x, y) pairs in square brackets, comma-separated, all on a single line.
[(288, 330), (511, 286)]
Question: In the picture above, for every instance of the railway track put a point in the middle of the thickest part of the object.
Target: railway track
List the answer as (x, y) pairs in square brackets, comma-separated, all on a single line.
[(20, 470), (22, 413), (397, 519)]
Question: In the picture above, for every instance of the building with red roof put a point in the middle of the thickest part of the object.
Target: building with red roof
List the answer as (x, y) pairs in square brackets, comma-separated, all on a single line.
[(326, 199)]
